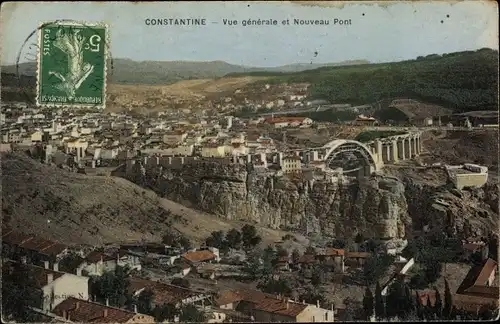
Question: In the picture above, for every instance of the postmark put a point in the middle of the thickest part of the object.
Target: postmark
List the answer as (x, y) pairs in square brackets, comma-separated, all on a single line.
[(72, 64)]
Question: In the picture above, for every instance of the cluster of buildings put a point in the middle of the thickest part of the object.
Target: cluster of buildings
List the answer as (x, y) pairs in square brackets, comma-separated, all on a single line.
[(64, 294), (94, 140)]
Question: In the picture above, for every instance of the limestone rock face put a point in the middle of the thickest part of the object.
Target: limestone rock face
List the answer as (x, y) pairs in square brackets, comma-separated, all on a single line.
[(375, 207), (460, 213)]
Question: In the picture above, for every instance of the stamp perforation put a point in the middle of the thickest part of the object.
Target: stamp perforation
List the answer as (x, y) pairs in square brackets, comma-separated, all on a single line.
[(106, 50)]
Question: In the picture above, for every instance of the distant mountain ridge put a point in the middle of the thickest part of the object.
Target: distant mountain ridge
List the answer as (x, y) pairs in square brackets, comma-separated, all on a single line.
[(127, 71)]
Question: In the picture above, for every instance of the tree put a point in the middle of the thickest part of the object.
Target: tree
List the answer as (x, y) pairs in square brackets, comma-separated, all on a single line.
[(269, 260), (448, 302), (181, 282), (281, 251), (233, 238), (272, 286), (338, 244), (418, 307), (312, 296), (185, 243), (18, 293), (375, 267), (166, 312), (317, 276), (216, 239), (249, 236), (295, 256), (368, 303), (310, 250), (379, 303), (145, 301), (432, 270), (253, 265), (359, 238), (438, 305), (113, 286), (394, 299), (189, 313)]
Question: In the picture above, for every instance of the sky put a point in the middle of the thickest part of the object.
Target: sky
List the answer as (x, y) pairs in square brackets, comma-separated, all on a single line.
[(378, 32)]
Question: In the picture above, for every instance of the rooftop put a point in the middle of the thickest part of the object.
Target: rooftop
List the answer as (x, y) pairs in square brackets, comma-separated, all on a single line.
[(163, 293), (31, 242), (199, 256), (78, 310)]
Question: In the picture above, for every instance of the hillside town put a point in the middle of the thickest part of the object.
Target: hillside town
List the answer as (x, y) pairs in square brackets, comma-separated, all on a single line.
[(186, 163), (218, 281)]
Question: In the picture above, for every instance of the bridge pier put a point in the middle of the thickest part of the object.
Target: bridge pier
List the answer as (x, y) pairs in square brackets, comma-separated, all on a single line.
[(407, 148), (401, 149), (394, 150)]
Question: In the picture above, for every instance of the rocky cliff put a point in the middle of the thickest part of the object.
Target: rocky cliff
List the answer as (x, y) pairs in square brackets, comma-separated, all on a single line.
[(461, 213), (375, 206), (379, 206)]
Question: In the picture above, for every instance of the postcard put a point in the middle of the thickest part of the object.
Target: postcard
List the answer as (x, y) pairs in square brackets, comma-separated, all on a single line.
[(249, 161)]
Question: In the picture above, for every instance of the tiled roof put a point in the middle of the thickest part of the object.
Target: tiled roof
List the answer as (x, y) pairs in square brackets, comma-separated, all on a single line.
[(95, 256), (488, 267), (78, 310), (163, 293), (262, 301), (199, 256), (33, 243), (330, 252), (477, 276), (357, 254), (472, 247), (227, 297), (14, 238), (307, 258), (280, 307)]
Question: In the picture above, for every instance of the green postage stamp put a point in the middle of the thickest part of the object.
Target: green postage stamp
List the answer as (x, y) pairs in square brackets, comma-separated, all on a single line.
[(72, 64)]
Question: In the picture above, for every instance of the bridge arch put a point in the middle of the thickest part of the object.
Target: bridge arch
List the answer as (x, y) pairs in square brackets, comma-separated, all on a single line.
[(339, 146)]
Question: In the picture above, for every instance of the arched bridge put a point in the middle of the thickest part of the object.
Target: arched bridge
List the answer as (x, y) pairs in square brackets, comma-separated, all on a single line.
[(338, 152), (369, 157)]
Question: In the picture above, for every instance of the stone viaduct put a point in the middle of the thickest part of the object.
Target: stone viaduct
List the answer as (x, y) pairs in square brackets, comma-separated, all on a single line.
[(376, 153)]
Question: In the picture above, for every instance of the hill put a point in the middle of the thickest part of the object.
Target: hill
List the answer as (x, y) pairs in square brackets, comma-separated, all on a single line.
[(462, 81), (85, 209), (126, 71)]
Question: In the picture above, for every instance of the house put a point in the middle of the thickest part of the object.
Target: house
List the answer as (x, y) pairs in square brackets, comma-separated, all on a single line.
[(362, 120), (97, 263), (281, 122), (291, 164), (174, 137), (333, 256), (475, 247), (53, 286), (83, 311), (166, 293), (356, 259), (269, 308), (477, 291), (213, 150), (307, 261), (77, 146), (427, 121), (36, 136), (196, 257), (283, 263), (33, 249)]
